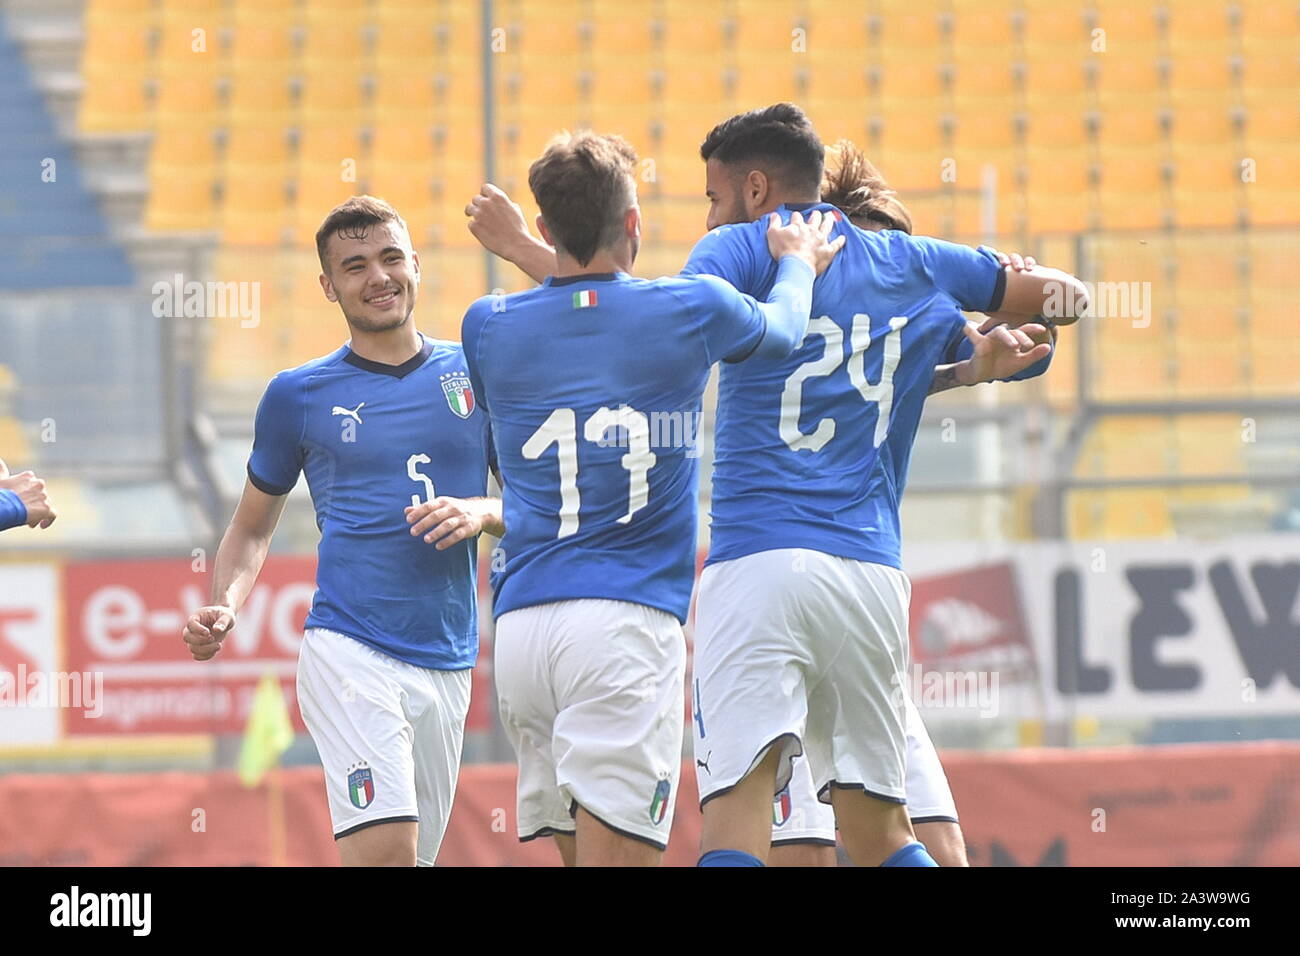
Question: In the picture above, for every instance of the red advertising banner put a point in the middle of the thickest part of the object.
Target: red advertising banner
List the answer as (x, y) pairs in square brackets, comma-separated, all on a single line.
[(1212, 805), (125, 620), (971, 620)]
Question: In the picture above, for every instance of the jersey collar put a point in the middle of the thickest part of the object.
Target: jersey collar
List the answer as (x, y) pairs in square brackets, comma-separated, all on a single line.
[(397, 371), (586, 277)]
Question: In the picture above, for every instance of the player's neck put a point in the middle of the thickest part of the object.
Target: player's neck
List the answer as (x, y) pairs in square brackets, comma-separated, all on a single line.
[(601, 263), (390, 347)]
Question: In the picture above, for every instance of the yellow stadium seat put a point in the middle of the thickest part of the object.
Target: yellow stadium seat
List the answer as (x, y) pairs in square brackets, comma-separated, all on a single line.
[(977, 76), (255, 209), (401, 43), (898, 77), (400, 89), (1197, 119), (258, 43), (328, 39), (332, 97), (1272, 63), (173, 147), (181, 198), (684, 82), (1127, 128), (1204, 67), (1267, 19), (1063, 130), (186, 101), (1207, 166), (190, 42), (329, 143), (261, 95), (758, 84), (409, 141), (1201, 206), (981, 125), (1207, 348), (253, 143), (1190, 21), (913, 27), (1132, 73), (1271, 118), (1049, 73), (116, 99), (1132, 169), (113, 39), (627, 31), (1130, 209), (1269, 207), (636, 83), (1126, 24), (910, 169), (109, 9), (831, 29), (1055, 24), (912, 131), (1207, 444)]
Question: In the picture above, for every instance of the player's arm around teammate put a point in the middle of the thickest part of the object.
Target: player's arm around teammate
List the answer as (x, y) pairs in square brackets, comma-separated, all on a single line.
[(23, 500)]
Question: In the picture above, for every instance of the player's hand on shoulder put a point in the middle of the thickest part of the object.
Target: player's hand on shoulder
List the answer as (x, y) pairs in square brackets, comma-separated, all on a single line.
[(1001, 351), (1016, 262), (445, 521), (496, 221), (206, 629), (31, 491), (808, 239)]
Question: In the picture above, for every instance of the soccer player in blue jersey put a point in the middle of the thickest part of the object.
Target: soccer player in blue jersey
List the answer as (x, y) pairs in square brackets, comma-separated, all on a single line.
[(396, 452), (23, 500), (804, 566), (592, 382), (803, 589)]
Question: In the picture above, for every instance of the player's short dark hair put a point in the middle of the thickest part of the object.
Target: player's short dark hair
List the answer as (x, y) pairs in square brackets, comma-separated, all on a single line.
[(855, 186), (351, 218), (779, 139), (583, 184)]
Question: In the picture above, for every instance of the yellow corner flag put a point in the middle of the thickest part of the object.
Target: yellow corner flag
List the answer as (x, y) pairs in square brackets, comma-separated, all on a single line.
[(268, 734)]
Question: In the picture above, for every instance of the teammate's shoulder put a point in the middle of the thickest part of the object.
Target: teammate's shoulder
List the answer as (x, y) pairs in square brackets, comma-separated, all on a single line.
[(699, 287)]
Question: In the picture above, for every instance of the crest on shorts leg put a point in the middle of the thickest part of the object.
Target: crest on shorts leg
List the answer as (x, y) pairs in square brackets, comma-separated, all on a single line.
[(361, 786), (659, 802), (781, 807)]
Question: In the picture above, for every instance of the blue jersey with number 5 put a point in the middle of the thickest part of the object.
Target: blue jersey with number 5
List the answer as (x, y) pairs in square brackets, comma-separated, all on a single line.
[(811, 451), (373, 439), (593, 385)]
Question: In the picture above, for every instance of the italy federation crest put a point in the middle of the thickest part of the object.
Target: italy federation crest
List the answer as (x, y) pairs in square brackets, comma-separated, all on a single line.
[(361, 787), (459, 392), (659, 802), (781, 807)]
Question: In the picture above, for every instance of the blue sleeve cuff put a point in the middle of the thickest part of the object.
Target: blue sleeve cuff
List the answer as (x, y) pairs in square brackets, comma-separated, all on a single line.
[(13, 512)]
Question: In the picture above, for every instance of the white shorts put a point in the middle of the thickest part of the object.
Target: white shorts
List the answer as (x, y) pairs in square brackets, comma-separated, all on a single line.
[(591, 699), (799, 817), (807, 652), (389, 735)]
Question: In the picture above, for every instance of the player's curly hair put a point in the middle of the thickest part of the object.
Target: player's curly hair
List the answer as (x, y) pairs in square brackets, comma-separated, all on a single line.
[(584, 185), (853, 185), (350, 219)]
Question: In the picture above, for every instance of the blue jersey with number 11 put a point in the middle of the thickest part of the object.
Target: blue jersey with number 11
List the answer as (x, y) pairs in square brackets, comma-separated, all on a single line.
[(811, 451)]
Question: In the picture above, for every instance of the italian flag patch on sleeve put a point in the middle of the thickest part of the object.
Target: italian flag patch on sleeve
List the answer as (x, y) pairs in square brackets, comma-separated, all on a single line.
[(584, 299)]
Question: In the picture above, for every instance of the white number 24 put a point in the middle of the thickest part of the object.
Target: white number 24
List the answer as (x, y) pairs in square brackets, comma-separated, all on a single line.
[(561, 429), (882, 392)]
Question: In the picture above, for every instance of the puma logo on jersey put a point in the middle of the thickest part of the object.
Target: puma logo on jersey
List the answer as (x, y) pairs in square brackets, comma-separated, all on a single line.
[(351, 413), (704, 764)]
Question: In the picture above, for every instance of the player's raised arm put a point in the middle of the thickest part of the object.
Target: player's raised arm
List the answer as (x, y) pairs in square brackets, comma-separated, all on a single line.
[(498, 224), (23, 500), (803, 252)]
